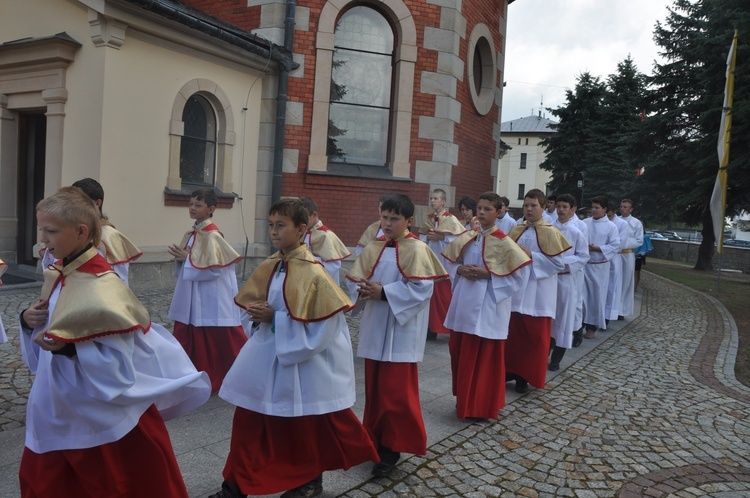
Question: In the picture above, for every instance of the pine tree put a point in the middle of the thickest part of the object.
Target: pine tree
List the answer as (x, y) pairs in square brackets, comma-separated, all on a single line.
[(576, 149), (686, 103), (598, 138)]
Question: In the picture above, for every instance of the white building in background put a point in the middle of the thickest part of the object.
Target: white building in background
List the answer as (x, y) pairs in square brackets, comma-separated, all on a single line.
[(519, 169)]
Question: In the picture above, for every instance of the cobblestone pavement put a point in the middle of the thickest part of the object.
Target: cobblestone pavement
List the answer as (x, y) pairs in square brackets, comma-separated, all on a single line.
[(654, 411)]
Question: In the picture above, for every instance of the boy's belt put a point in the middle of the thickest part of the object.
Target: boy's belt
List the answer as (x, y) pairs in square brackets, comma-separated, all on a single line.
[(626, 251)]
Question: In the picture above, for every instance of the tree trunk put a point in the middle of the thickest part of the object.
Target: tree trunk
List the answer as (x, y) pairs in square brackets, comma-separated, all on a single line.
[(706, 249)]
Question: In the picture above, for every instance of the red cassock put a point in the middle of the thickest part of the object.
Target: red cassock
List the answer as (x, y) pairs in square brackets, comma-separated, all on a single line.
[(211, 349), (439, 304), (393, 415), (269, 454), (142, 463), (477, 367), (527, 347)]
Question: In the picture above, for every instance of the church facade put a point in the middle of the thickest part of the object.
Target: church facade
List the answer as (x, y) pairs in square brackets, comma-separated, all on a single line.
[(337, 100)]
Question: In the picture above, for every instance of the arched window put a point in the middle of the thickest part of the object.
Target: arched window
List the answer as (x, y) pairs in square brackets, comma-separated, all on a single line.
[(201, 142), (198, 144), (361, 88)]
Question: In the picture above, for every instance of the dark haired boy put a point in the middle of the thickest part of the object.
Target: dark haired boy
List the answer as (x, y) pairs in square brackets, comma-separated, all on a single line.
[(569, 282), (486, 269), (116, 248), (322, 242), (373, 231), (534, 306), (205, 321), (396, 292), (293, 382), (505, 221), (604, 244), (614, 287), (550, 213), (634, 240)]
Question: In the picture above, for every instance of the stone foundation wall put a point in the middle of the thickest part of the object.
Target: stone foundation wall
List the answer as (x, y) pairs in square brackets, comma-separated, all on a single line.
[(733, 258)]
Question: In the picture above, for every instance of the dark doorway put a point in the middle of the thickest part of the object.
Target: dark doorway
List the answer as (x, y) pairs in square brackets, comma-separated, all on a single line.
[(32, 138)]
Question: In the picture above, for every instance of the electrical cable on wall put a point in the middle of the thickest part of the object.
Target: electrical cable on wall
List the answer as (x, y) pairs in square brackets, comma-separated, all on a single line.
[(240, 196)]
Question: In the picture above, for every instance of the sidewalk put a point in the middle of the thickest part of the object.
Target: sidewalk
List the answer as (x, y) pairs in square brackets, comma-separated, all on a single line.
[(648, 408)]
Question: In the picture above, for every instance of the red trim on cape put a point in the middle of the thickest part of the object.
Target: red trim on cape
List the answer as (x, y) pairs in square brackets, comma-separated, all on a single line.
[(283, 293), (209, 228), (95, 266), (501, 235), (100, 334), (343, 308)]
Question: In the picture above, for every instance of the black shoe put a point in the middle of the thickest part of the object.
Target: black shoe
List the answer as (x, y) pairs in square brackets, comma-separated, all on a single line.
[(431, 336), (307, 490), (387, 463), (553, 367), (383, 469), (620, 317), (578, 337), (228, 490), (522, 386)]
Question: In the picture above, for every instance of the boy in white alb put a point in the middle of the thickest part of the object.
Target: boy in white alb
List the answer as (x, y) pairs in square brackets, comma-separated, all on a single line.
[(634, 240), (439, 229), (322, 242), (396, 291), (293, 382), (486, 268), (106, 377), (114, 246), (550, 213), (505, 221), (604, 244), (373, 231), (534, 306), (206, 322), (569, 285), (614, 287)]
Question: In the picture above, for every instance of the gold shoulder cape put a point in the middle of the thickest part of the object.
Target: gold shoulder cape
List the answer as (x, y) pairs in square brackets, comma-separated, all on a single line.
[(93, 301), (551, 240), (326, 245), (370, 234), (209, 249), (443, 223), (500, 254), (414, 258), (310, 293), (116, 248)]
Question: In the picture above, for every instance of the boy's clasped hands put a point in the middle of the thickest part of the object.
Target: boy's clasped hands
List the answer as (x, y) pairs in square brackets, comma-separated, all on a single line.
[(35, 316), (370, 290), (260, 312), (473, 272), (177, 252)]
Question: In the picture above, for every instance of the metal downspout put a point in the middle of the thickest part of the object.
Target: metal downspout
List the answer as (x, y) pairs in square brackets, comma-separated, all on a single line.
[(281, 99)]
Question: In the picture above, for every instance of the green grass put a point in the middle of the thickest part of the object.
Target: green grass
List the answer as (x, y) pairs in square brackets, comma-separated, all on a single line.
[(732, 290)]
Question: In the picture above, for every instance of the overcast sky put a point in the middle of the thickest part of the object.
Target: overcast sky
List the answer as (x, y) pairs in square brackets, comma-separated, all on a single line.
[(550, 42)]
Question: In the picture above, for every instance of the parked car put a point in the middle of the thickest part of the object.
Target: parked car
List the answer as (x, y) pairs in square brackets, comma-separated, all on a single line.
[(668, 234), (655, 235), (737, 243)]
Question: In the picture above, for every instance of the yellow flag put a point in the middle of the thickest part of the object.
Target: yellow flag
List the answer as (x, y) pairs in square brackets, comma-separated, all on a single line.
[(719, 194)]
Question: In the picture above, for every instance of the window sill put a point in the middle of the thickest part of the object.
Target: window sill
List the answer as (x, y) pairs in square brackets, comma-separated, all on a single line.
[(182, 197), (359, 171)]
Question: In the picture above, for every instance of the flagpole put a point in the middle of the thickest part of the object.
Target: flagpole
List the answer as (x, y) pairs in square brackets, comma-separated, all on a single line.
[(719, 194)]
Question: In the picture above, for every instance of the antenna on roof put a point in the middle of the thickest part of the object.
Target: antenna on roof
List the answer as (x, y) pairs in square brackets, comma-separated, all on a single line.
[(541, 104)]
